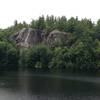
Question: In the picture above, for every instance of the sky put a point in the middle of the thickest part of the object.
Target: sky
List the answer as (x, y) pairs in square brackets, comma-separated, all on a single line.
[(26, 10)]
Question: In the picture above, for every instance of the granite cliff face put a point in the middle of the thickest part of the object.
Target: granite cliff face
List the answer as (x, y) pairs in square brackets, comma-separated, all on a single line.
[(28, 37)]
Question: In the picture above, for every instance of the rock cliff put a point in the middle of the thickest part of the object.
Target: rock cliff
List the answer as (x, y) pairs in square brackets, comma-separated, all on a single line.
[(28, 37)]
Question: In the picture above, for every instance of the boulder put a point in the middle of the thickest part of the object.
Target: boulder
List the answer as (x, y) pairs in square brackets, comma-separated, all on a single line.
[(56, 38)]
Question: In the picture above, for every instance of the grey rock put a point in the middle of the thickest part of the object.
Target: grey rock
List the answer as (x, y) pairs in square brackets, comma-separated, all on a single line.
[(56, 38), (27, 37)]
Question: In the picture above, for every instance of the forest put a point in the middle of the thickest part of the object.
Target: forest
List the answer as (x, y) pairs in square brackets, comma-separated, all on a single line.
[(80, 52)]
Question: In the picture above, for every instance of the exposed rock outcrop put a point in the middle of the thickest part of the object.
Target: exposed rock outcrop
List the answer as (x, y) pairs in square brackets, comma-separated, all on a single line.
[(56, 38), (27, 37)]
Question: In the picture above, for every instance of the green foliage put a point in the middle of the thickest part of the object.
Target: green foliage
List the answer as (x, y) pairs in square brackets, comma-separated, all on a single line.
[(59, 60), (39, 57), (83, 57), (8, 56)]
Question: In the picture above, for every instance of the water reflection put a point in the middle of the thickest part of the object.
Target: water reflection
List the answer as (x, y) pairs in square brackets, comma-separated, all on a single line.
[(27, 86)]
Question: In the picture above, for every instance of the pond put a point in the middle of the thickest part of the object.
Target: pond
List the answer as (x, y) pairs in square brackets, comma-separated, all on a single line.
[(33, 86)]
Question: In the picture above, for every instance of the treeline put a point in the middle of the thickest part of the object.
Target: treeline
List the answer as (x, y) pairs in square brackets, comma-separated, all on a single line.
[(80, 52)]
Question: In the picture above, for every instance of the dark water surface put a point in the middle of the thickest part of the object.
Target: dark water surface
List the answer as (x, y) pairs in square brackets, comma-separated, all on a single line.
[(25, 86)]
